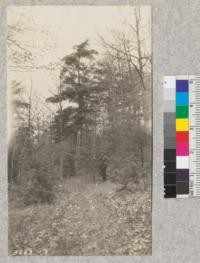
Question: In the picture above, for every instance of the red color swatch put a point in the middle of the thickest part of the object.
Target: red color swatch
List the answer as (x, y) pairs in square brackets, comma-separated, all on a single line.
[(182, 137)]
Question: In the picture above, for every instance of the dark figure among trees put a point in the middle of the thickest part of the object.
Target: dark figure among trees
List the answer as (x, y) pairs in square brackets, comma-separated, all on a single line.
[(103, 163)]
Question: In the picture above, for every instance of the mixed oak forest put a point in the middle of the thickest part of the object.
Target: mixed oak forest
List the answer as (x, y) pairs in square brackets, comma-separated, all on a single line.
[(79, 155)]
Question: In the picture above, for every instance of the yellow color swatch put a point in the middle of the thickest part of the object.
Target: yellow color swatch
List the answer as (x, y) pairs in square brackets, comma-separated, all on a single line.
[(182, 124)]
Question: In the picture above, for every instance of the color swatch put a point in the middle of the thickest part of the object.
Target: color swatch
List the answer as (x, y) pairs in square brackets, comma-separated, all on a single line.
[(181, 136), (170, 136), (182, 131)]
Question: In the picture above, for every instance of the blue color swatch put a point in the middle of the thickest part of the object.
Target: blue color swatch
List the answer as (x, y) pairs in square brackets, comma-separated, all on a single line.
[(181, 85), (182, 99)]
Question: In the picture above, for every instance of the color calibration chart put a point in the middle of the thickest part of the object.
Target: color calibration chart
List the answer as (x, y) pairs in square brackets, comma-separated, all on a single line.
[(181, 136)]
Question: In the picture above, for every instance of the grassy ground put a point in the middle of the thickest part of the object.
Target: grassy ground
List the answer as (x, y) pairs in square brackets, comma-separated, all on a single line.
[(86, 219)]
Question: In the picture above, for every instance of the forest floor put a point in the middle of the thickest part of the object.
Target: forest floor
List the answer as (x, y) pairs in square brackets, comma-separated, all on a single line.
[(86, 219)]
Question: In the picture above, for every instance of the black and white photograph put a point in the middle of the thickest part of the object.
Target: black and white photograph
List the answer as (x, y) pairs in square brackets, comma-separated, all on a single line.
[(79, 130)]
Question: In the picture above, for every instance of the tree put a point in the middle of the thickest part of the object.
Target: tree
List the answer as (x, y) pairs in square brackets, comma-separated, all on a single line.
[(78, 85), (129, 49), (17, 117)]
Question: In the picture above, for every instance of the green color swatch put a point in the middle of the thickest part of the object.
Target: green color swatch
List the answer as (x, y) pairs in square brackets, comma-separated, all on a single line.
[(181, 112)]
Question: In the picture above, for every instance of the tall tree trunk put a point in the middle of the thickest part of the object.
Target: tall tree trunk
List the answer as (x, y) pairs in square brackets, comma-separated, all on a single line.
[(61, 131), (30, 111), (11, 166), (74, 154), (94, 150), (145, 92)]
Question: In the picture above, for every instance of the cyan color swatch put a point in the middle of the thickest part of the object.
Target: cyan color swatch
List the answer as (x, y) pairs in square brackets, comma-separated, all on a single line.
[(182, 98)]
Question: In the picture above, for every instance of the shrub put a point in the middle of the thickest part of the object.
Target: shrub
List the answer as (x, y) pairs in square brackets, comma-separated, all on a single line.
[(39, 187)]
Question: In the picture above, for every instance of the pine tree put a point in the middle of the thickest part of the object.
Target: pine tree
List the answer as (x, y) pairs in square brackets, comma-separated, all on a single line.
[(78, 84)]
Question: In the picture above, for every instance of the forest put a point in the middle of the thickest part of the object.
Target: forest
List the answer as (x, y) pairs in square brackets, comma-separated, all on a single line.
[(79, 161)]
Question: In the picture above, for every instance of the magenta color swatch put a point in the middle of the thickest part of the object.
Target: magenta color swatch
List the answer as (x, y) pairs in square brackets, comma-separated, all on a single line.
[(182, 149)]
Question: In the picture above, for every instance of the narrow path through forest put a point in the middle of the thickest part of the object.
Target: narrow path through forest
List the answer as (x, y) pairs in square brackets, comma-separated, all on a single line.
[(87, 219)]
